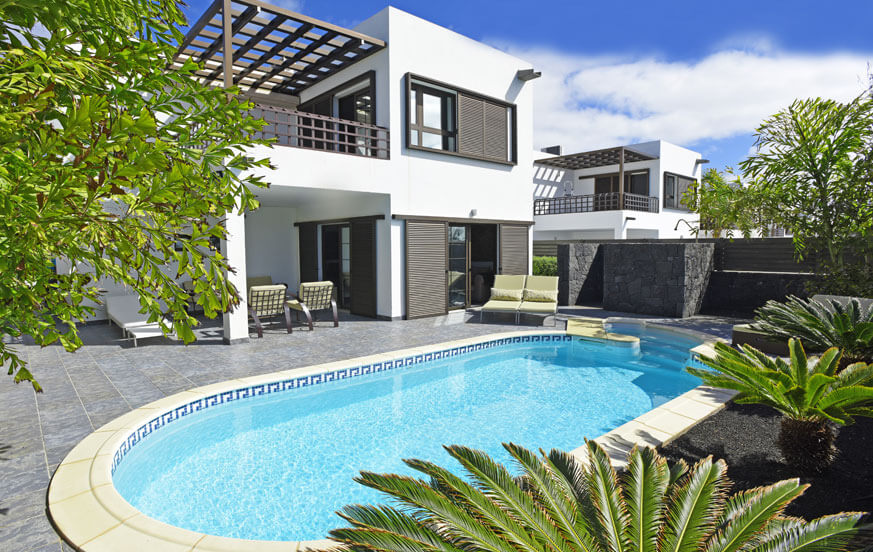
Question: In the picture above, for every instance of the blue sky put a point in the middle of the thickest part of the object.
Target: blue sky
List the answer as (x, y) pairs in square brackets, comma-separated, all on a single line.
[(701, 74)]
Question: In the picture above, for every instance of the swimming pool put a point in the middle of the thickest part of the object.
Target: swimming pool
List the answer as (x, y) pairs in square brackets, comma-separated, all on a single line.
[(274, 461)]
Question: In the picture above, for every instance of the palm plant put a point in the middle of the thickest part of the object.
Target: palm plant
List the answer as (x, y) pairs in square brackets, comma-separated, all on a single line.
[(562, 504), (821, 324), (811, 395)]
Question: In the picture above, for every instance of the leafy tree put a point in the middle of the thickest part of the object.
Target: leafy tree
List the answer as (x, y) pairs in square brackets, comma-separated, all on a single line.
[(113, 162), (563, 504), (725, 205), (812, 396), (814, 170)]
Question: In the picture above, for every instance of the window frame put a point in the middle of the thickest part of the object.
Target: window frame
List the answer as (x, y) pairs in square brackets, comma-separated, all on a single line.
[(449, 117), (677, 199), (627, 175), (410, 126)]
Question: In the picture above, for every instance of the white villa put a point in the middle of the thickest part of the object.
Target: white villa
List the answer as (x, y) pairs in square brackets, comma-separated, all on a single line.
[(577, 196), (403, 158)]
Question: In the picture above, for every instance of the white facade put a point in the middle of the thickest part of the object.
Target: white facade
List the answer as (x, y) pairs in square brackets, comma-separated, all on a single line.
[(667, 222), (309, 185)]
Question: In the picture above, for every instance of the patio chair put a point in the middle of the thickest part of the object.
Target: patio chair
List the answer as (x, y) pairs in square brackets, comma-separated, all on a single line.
[(506, 295), (123, 310), (314, 296), (540, 296), (268, 301)]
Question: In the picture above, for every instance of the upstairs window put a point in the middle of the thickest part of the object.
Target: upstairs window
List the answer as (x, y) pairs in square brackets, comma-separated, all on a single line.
[(635, 182), (432, 118), (458, 122), (675, 187)]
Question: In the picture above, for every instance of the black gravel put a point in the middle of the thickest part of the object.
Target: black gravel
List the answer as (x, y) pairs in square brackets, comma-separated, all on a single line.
[(745, 437)]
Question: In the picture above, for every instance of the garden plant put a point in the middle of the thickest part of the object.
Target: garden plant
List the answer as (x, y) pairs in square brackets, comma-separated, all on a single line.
[(812, 395), (561, 503), (821, 324)]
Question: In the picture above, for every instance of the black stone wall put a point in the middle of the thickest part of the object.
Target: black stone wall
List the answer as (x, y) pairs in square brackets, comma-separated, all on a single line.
[(740, 293), (580, 274), (667, 279)]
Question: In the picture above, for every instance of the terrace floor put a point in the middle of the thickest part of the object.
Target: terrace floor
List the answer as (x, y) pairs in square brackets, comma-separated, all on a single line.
[(108, 377)]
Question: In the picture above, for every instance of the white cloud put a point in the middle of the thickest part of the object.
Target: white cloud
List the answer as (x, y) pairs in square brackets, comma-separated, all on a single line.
[(590, 102), (293, 5)]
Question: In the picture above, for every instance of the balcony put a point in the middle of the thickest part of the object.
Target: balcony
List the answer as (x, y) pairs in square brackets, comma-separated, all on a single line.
[(612, 201), (296, 129)]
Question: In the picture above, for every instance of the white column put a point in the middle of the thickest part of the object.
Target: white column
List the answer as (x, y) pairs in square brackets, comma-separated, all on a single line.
[(236, 323)]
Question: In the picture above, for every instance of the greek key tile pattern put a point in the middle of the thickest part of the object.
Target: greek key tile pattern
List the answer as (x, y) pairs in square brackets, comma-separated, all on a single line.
[(217, 399)]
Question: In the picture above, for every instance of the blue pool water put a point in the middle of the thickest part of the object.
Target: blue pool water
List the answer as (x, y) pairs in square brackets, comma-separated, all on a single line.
[(277, 467)]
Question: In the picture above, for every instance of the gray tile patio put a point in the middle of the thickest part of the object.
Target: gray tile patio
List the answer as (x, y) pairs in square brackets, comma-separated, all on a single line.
[(108, 377)]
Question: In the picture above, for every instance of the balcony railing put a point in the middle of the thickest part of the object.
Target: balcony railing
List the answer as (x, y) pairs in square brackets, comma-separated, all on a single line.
[(296, 129), (612, 201)]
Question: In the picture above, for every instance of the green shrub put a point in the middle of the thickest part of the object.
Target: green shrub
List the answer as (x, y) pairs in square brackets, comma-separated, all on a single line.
[(564, 503), (545, 266), (810, 393), (821, 324)]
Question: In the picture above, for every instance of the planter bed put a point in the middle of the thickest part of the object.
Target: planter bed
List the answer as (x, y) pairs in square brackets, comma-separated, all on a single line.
[(745, 437)]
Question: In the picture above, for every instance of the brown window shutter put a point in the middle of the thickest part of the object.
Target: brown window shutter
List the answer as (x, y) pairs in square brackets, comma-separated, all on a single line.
[(308, 252), (471, 126), (513, 249), (425, 268), (363, 268), (495, 132)]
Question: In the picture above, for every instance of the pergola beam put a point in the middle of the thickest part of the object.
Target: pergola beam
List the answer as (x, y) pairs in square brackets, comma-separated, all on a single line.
[(254, 44)]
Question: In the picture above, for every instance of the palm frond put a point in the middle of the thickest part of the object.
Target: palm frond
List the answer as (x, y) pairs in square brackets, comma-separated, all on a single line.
[(693, 506), (611, 508), (384, 528), (645, 485), (825, 534)]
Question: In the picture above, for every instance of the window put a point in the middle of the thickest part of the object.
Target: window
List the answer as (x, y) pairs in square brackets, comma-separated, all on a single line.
[(675, 187), (635, 182), (432, 118), (458, 122)]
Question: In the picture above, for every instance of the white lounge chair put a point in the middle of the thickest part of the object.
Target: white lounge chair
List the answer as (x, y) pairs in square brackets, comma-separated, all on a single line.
[(123, 310)]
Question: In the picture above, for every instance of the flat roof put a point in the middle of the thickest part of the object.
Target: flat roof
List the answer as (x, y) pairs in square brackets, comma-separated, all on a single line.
[(596, 158), (272, 49)]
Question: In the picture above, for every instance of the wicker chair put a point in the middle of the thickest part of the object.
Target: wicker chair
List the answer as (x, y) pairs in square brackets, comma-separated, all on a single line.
[(267, 301), (314, 296)]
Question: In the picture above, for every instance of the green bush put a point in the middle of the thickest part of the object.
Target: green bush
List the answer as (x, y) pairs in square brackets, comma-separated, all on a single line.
[(545, 266)]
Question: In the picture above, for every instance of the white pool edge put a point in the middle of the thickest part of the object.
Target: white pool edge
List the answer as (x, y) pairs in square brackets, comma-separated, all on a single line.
[(89, 513)]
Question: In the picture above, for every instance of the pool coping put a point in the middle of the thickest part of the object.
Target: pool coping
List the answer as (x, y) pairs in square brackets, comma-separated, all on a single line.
[(88, 512)]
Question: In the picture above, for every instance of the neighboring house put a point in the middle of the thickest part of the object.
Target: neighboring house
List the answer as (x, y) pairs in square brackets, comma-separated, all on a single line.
[(578, 196), (402, 163)]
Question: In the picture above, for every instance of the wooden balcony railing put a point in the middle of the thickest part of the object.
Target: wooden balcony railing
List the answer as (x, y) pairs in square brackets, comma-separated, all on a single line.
[(612, 201), (296, 129)]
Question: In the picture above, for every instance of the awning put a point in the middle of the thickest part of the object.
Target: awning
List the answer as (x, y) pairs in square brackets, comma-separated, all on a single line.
[(596, 158), (270, 49)]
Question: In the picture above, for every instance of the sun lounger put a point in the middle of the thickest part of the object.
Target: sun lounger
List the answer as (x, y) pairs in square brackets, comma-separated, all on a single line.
[(506, 295), (123, 311), (540, 296)]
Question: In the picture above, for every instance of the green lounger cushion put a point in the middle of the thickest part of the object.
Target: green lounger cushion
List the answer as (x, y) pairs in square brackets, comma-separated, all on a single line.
[(542, 283), (540, 296), (538, 307), (499, 294), (506, 306), (509, 281)]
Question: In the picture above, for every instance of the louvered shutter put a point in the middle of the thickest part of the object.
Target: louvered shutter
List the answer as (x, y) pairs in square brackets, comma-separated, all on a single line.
[(482, 128), (495, 132), (363, 268), (308, 234), (425, 268), (513, 249), (471, 126)]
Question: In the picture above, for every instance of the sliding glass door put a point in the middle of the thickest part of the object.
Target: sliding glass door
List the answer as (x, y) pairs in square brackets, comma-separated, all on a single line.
[(458, 255)]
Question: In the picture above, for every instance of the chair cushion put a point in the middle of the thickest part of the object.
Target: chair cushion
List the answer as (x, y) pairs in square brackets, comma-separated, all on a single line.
[(499, 294), (509, 281), (267, 300), (540, 296), (508, 306), (316, 295), (542, 283), (538, 307)]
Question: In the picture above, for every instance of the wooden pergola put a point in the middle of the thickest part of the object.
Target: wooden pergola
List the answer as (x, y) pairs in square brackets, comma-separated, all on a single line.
[(599, 158), (264, 48)]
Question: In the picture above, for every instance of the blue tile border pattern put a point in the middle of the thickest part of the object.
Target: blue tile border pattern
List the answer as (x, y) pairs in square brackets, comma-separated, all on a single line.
[(260, 389)]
